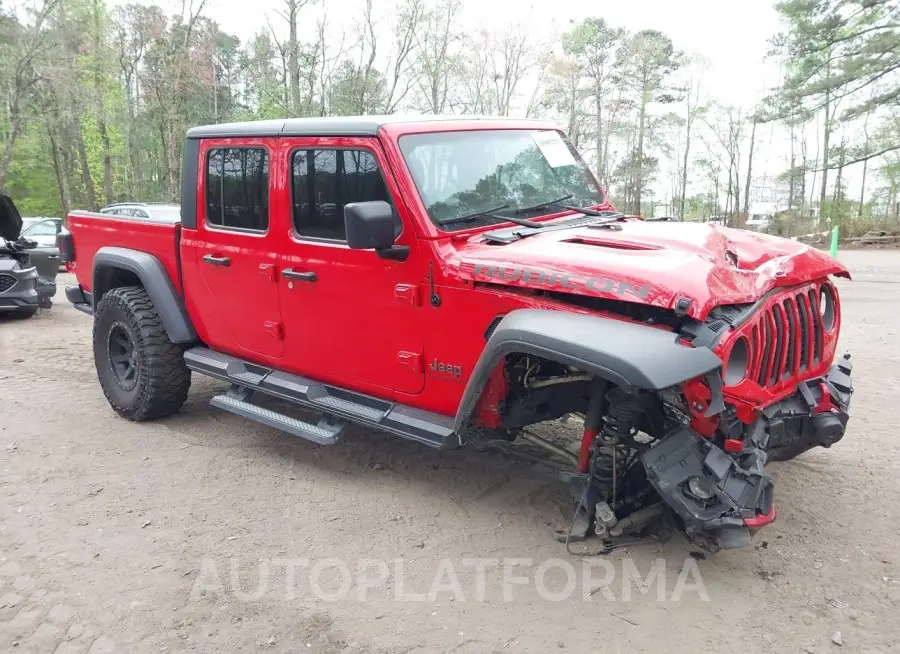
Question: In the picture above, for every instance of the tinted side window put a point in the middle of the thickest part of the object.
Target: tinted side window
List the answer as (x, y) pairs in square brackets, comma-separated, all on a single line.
[(324, 181), (237, 188)]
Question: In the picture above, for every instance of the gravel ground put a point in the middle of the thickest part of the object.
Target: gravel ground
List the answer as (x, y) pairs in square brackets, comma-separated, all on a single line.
[(205, 532)]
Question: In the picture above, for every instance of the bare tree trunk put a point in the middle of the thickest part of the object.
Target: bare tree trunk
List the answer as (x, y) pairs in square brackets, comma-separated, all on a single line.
[(826, 137), (62, 180), (639, 164), (862, 190), (293, 8), (862, 186), (693, 110), (9, 143), (805, 157), (728, 195), (791, 182), (684, 168), (135, 180), (749, 170), (101, 109), (86, 178), (598, 129), (836, 213)]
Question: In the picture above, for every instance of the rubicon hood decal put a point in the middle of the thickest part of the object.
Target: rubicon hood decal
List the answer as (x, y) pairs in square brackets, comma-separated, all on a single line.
[(564, 281), (694, 266)]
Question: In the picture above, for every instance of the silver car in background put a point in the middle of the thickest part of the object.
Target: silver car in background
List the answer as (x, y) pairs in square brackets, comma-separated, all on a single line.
[(156, 211)]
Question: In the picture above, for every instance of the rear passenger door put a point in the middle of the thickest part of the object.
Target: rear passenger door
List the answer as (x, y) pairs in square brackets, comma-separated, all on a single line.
[(351, 317), (234, 257)]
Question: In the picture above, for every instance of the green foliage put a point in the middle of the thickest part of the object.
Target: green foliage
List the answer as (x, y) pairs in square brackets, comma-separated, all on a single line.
[(32, 179), (96, 96)]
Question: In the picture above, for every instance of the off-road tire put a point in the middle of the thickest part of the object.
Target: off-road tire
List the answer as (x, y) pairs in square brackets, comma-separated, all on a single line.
[(161, 378)]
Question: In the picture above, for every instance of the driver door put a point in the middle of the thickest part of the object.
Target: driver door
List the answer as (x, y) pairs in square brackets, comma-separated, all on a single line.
[(351, 318)]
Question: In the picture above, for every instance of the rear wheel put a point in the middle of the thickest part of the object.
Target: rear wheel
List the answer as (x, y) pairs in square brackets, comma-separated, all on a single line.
[(141, 371)]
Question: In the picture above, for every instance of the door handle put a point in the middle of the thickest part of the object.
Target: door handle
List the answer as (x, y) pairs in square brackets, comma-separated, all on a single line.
[(217, 261), (289, 273)]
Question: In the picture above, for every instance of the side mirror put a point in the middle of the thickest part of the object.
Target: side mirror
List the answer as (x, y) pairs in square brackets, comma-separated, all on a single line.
[(370, 226)]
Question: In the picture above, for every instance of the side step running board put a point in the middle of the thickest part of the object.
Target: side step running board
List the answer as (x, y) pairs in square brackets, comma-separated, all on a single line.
[(326, 432), (340, 404)]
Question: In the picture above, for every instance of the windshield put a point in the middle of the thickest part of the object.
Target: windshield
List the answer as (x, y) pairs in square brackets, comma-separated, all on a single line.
[(459, 174)]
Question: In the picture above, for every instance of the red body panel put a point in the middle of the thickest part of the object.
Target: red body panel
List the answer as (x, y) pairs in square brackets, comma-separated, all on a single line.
[(650, 262), (367, 323), (92, 231)]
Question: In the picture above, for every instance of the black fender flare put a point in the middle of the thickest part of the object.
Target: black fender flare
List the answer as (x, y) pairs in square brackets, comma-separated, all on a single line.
[(150, 270), (631, 355)]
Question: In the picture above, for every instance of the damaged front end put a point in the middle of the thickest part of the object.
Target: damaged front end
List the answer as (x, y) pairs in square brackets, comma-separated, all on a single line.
[(778, 393), (719, 487)]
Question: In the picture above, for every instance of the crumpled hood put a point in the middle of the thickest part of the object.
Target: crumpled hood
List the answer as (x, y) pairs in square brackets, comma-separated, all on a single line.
[(10, 220), (656, 263)]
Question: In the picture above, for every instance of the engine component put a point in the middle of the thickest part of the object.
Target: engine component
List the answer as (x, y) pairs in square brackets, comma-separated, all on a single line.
[(638, 520), (605, 518), (616, 439)]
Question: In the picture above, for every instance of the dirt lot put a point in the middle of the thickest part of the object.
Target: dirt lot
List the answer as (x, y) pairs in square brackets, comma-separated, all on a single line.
[(183, 535)]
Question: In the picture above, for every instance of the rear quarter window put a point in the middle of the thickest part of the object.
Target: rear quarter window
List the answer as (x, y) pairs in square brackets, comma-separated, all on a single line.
[(237, 189)]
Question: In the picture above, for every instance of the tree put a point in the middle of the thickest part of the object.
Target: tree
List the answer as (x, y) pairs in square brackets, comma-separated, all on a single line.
[(511, 61), (22, 45), (401, 71), (754, 122), (693, 109), (437, 62), (726, 125), (835, 50), (596, 52), (652, 59)]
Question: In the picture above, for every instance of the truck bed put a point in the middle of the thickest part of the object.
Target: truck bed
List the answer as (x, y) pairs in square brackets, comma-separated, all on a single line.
[(92, 231)]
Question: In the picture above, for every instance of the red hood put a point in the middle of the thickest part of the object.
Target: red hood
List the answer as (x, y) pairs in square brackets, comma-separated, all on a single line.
[(652, 263)]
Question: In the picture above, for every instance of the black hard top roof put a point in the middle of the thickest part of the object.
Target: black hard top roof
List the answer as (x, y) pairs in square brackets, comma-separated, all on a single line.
[(329, 126)]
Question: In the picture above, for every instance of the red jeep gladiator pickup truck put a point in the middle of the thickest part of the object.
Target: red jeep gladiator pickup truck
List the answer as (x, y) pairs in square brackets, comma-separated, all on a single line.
[(453, 281)]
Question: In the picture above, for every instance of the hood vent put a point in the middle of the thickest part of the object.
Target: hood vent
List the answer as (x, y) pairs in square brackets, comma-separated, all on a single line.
[(604, 243)]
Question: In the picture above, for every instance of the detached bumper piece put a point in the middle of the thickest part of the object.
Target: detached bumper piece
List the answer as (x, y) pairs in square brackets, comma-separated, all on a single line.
[(816, 415), (711, 491), (46, 289)]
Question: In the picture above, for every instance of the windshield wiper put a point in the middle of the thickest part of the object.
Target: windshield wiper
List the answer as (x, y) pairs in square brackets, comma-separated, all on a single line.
[(469, 217), (549, 203), (584, 210), (562, 205), (521, 221)]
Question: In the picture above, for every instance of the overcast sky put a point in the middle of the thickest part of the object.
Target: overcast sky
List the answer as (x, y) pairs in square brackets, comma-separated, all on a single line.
[(733, 37)]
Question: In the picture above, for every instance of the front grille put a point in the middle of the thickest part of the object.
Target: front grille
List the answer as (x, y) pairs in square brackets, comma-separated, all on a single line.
[(6, 282), (787, 338)]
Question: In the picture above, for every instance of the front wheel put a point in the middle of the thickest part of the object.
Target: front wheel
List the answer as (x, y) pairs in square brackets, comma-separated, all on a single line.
[(141, 371)]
